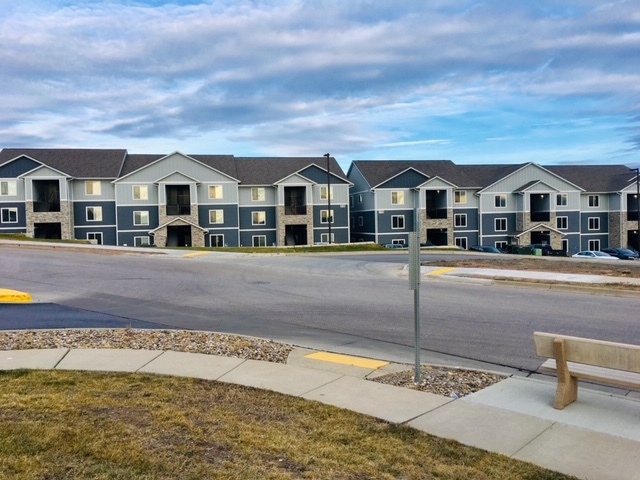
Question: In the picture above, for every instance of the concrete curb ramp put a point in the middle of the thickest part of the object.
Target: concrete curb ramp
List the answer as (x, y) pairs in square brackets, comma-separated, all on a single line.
[(13, 296)]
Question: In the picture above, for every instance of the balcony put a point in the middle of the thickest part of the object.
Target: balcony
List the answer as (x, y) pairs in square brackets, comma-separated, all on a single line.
[(434, 213), (540, 216), (178, 209), (295, 209)]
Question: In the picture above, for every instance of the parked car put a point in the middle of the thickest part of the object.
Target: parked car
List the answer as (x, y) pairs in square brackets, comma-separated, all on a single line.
[(595, 254), (621, 253), (484, 248), (396, 245)]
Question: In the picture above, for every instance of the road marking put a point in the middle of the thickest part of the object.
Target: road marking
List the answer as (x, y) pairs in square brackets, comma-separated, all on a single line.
[(347, 360), (194, 254), (440, 271), (13, 296)]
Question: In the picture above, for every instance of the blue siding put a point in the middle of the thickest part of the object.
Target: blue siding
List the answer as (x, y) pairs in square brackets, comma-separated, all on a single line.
[(340, 216), (230, 213), (247, 241), (472, 220), (340, 235), (80, 213), (488, 224), (384, 222), (319, 175), (408, 179), (125, 219), (22, 218), (126, 238), (108, 233), (17, 167), (230, 236), (604, 223)]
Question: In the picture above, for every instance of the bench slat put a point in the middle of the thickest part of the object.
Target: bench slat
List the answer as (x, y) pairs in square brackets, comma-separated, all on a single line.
[(618, 356), (601, 374)]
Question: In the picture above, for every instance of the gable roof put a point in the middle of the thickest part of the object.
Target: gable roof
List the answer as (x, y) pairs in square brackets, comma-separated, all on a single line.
[(376, 172), (270, 170), (75, 162), (595, 178)]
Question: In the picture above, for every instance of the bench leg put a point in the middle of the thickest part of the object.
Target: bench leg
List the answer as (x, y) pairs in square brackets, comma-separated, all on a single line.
[(567, 391)]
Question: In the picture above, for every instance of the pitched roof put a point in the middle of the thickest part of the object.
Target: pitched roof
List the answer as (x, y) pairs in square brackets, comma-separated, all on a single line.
[(76, 162), (268, 170), (595, 178), (376, 172)]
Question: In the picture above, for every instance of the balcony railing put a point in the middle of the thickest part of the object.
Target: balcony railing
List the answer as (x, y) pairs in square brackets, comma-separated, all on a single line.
[(178, 209), (540, 216), (433, 213), (46, 206), (295, 209)]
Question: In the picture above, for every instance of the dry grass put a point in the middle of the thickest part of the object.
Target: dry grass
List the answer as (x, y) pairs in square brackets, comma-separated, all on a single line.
[(56, 424)]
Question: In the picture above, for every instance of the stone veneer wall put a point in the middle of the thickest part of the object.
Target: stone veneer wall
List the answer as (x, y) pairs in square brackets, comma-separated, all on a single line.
[(556, 238), (626, 225), (615, 229), (429, 223), (197, 235), (283, 220), (64, 217)]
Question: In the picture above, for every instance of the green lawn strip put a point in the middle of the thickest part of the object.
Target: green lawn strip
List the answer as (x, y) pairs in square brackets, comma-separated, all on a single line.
[(56, 424)]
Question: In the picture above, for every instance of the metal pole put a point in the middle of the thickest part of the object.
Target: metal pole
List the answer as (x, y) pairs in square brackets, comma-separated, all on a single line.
[(329, 216)]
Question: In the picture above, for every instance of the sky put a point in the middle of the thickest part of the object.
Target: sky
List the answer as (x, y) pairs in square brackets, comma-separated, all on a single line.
[(476, 82)]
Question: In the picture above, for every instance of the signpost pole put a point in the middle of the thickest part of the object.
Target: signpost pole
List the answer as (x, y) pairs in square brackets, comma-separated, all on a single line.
[(414, 284)]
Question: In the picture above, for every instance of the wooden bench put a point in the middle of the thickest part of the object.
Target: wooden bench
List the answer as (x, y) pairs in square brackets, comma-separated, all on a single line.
[(574, 357)]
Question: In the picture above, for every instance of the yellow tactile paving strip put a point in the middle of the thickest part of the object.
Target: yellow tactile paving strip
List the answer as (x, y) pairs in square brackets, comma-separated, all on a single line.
[(194, 254), (13, 296), (440, 271), (347, 360)]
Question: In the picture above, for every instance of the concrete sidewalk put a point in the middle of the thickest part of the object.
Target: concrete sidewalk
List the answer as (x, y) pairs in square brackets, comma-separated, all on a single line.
[(597, 437)]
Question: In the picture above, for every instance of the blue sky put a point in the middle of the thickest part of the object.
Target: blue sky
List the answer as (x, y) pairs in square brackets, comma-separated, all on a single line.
[(553, 82)]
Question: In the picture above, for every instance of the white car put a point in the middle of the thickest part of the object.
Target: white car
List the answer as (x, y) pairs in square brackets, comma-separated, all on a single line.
[(594, 254)]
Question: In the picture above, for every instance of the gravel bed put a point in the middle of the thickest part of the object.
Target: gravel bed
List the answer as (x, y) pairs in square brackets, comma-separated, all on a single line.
[(450, 382)]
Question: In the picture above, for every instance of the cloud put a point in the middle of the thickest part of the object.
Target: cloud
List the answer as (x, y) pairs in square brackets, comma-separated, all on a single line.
[(295, 76)]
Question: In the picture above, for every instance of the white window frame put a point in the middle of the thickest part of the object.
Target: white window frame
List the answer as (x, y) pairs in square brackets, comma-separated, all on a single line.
[(97, 214), (323, 192), (594, 244), (141, 241), (211, 236), (255, 217), (143, 192), (398, 241), (596, 222), (92, 187), (8, 211), (213, 192), (260, 238), (500, 244), (397, 220), (8, 188), (324, 237), (325, 215), (258, 194), (216, 216), (565, 223), (95, 236), (500, 201), (496, 221), (463, 220), (141, 214), (397, 197), (460, 197), (594, 201), (565, 244), (561, 199), (461, 242)]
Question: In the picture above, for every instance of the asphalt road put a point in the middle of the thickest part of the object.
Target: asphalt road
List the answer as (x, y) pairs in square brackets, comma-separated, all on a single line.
[(349, 304)]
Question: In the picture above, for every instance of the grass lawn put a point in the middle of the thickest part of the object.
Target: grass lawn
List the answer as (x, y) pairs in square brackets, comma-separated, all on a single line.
[(56, 424)]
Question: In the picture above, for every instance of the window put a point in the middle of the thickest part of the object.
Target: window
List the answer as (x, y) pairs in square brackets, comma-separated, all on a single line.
[(460, 196), (257, 194), (594, 201), (461, 242), (141, 218), (216, 216), (140, 192), (258, 218), (259, 240), (9, 188), (95, 236), (325, 217), (561, 199), (594, 244), (397, 221), (500, 201), (216, 240), (360, 221), (397, 198), (397, 241), (565, 244), (92, 187), (501, 245), (460, 219), (9, 215), (501, 224), (94, 214), (323, 193), (594, 223), (141, 241), (562, 223), (215, 191), (324, 237)]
